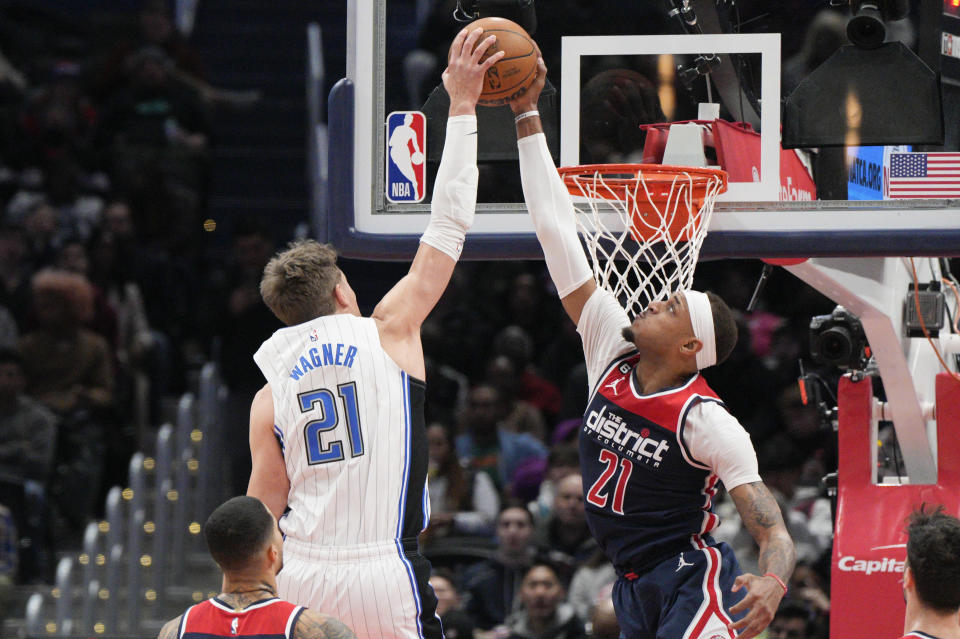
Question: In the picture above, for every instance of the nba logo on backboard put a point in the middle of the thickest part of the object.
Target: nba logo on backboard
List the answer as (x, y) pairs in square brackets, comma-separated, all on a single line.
[(406, 166)]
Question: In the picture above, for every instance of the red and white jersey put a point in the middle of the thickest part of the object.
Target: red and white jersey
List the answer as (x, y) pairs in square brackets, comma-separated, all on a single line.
[(917, 634), (350, 424), (268, 619), (651, 463)]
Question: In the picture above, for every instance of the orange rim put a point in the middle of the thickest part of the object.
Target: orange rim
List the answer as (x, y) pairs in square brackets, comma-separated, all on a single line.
[(618, 177), (651, 185)]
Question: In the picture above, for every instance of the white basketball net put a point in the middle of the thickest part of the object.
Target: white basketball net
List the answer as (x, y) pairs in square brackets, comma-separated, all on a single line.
[(637, 270)]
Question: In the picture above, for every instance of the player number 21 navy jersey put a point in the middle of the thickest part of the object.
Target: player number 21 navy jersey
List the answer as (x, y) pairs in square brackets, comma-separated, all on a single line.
[(646, 497)]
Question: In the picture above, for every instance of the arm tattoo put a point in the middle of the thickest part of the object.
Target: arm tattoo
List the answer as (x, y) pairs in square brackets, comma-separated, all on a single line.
[(313, 625), (761, 516), (169, 630), (759, 510)]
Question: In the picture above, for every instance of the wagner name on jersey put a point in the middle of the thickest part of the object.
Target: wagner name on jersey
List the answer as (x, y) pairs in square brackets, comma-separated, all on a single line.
[(350, 425)]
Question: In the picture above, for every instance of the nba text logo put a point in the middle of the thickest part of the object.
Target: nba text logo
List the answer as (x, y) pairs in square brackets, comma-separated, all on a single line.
[(406, 147)]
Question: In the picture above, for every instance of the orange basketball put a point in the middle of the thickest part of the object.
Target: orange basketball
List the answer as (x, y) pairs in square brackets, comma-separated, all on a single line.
[(509, 78)]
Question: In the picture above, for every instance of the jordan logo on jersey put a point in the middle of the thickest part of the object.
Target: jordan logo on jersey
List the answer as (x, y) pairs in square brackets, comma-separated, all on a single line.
[(682, 564), (611, 430), (613, 385), (405, 154)]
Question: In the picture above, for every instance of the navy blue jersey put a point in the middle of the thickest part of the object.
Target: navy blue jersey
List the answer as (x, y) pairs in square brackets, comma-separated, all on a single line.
[(646, 498)]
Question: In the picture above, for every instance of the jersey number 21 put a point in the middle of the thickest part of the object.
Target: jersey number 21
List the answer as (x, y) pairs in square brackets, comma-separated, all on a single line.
[(322, 400)]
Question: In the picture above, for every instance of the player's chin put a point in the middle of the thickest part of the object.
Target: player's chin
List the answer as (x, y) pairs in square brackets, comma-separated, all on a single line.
[(628, 334)]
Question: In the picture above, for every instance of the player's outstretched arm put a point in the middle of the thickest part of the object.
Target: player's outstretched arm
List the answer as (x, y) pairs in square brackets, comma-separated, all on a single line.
[(314, 625), (763, 519), (550, 205), (169, 630), (406, 306), (268, 475)]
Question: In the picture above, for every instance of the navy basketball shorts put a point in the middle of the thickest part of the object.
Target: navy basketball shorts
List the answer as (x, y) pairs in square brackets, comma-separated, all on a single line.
[(685, 597)]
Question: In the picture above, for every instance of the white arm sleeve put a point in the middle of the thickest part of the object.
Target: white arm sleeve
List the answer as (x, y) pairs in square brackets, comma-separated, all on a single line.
[(553, 215), (455, 188), (714, 437), (601, 322)]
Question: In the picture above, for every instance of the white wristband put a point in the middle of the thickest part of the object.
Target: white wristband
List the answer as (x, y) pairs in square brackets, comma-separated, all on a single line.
[(524, 115)]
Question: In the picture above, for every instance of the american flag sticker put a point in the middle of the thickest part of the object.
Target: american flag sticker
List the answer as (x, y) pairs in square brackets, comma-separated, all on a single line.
[(924, 175)]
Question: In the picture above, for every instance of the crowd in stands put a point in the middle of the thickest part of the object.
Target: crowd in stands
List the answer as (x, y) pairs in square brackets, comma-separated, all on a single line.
[(104, 159), (105, 131)]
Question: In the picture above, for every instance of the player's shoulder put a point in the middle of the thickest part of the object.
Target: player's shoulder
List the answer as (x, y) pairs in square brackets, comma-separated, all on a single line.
[(170, 629), (316, 625)]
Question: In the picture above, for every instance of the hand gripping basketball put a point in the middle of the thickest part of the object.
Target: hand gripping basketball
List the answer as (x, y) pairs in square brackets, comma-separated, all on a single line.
[(511, 76), (466, 69)]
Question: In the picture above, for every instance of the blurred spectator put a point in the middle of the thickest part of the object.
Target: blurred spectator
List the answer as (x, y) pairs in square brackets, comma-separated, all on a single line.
[(544, 615), (73, 257), (792, 621), (41, 235), (140, 349), (447, 387), (564, 537), (28, 432), (155, 28), (562, 460), (807, 586), (485, 446), (461, 502), (519, 416), (781, 465), (603, 621), (595, 575), (456, 624), (59, 120), (516, 344), (156, 136), (70, 370), (15, 272), (68, 367), (238, 322), (493, 585)]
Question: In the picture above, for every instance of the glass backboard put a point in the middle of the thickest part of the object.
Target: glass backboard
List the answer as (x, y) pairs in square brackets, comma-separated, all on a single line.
[(620, 73)]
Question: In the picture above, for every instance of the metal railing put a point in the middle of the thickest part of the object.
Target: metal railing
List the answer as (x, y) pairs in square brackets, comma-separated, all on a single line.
[(130, 563)]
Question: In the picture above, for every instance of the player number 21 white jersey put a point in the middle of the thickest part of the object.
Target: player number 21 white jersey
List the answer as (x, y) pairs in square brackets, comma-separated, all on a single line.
[(350, 424)]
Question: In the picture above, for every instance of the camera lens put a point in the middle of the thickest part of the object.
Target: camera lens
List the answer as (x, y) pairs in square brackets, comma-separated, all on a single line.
[(836, 345), (866, 29)]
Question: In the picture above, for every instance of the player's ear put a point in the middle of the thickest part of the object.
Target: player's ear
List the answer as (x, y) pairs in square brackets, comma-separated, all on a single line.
[(691, 346), (907, 578), (340, 297)]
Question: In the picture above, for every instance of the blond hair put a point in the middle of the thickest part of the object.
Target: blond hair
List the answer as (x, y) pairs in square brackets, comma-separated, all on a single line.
[(298, 283)]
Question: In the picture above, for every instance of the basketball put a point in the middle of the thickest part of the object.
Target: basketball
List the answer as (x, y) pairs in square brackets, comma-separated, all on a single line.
[(509, 78), (416, 158)]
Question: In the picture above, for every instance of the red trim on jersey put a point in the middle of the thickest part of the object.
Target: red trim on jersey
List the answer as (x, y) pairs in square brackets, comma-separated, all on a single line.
[(710, 520), (711, 595), (269, 618), (665, 408)]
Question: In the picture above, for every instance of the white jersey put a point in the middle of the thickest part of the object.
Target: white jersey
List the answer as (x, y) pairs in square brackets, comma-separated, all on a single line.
[(350, 424)]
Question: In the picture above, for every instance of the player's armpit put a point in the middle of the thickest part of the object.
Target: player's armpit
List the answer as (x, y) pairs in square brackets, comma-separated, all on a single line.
[(268, 475), (313, 625), (574, 302), (169, 630), (761, 515)]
